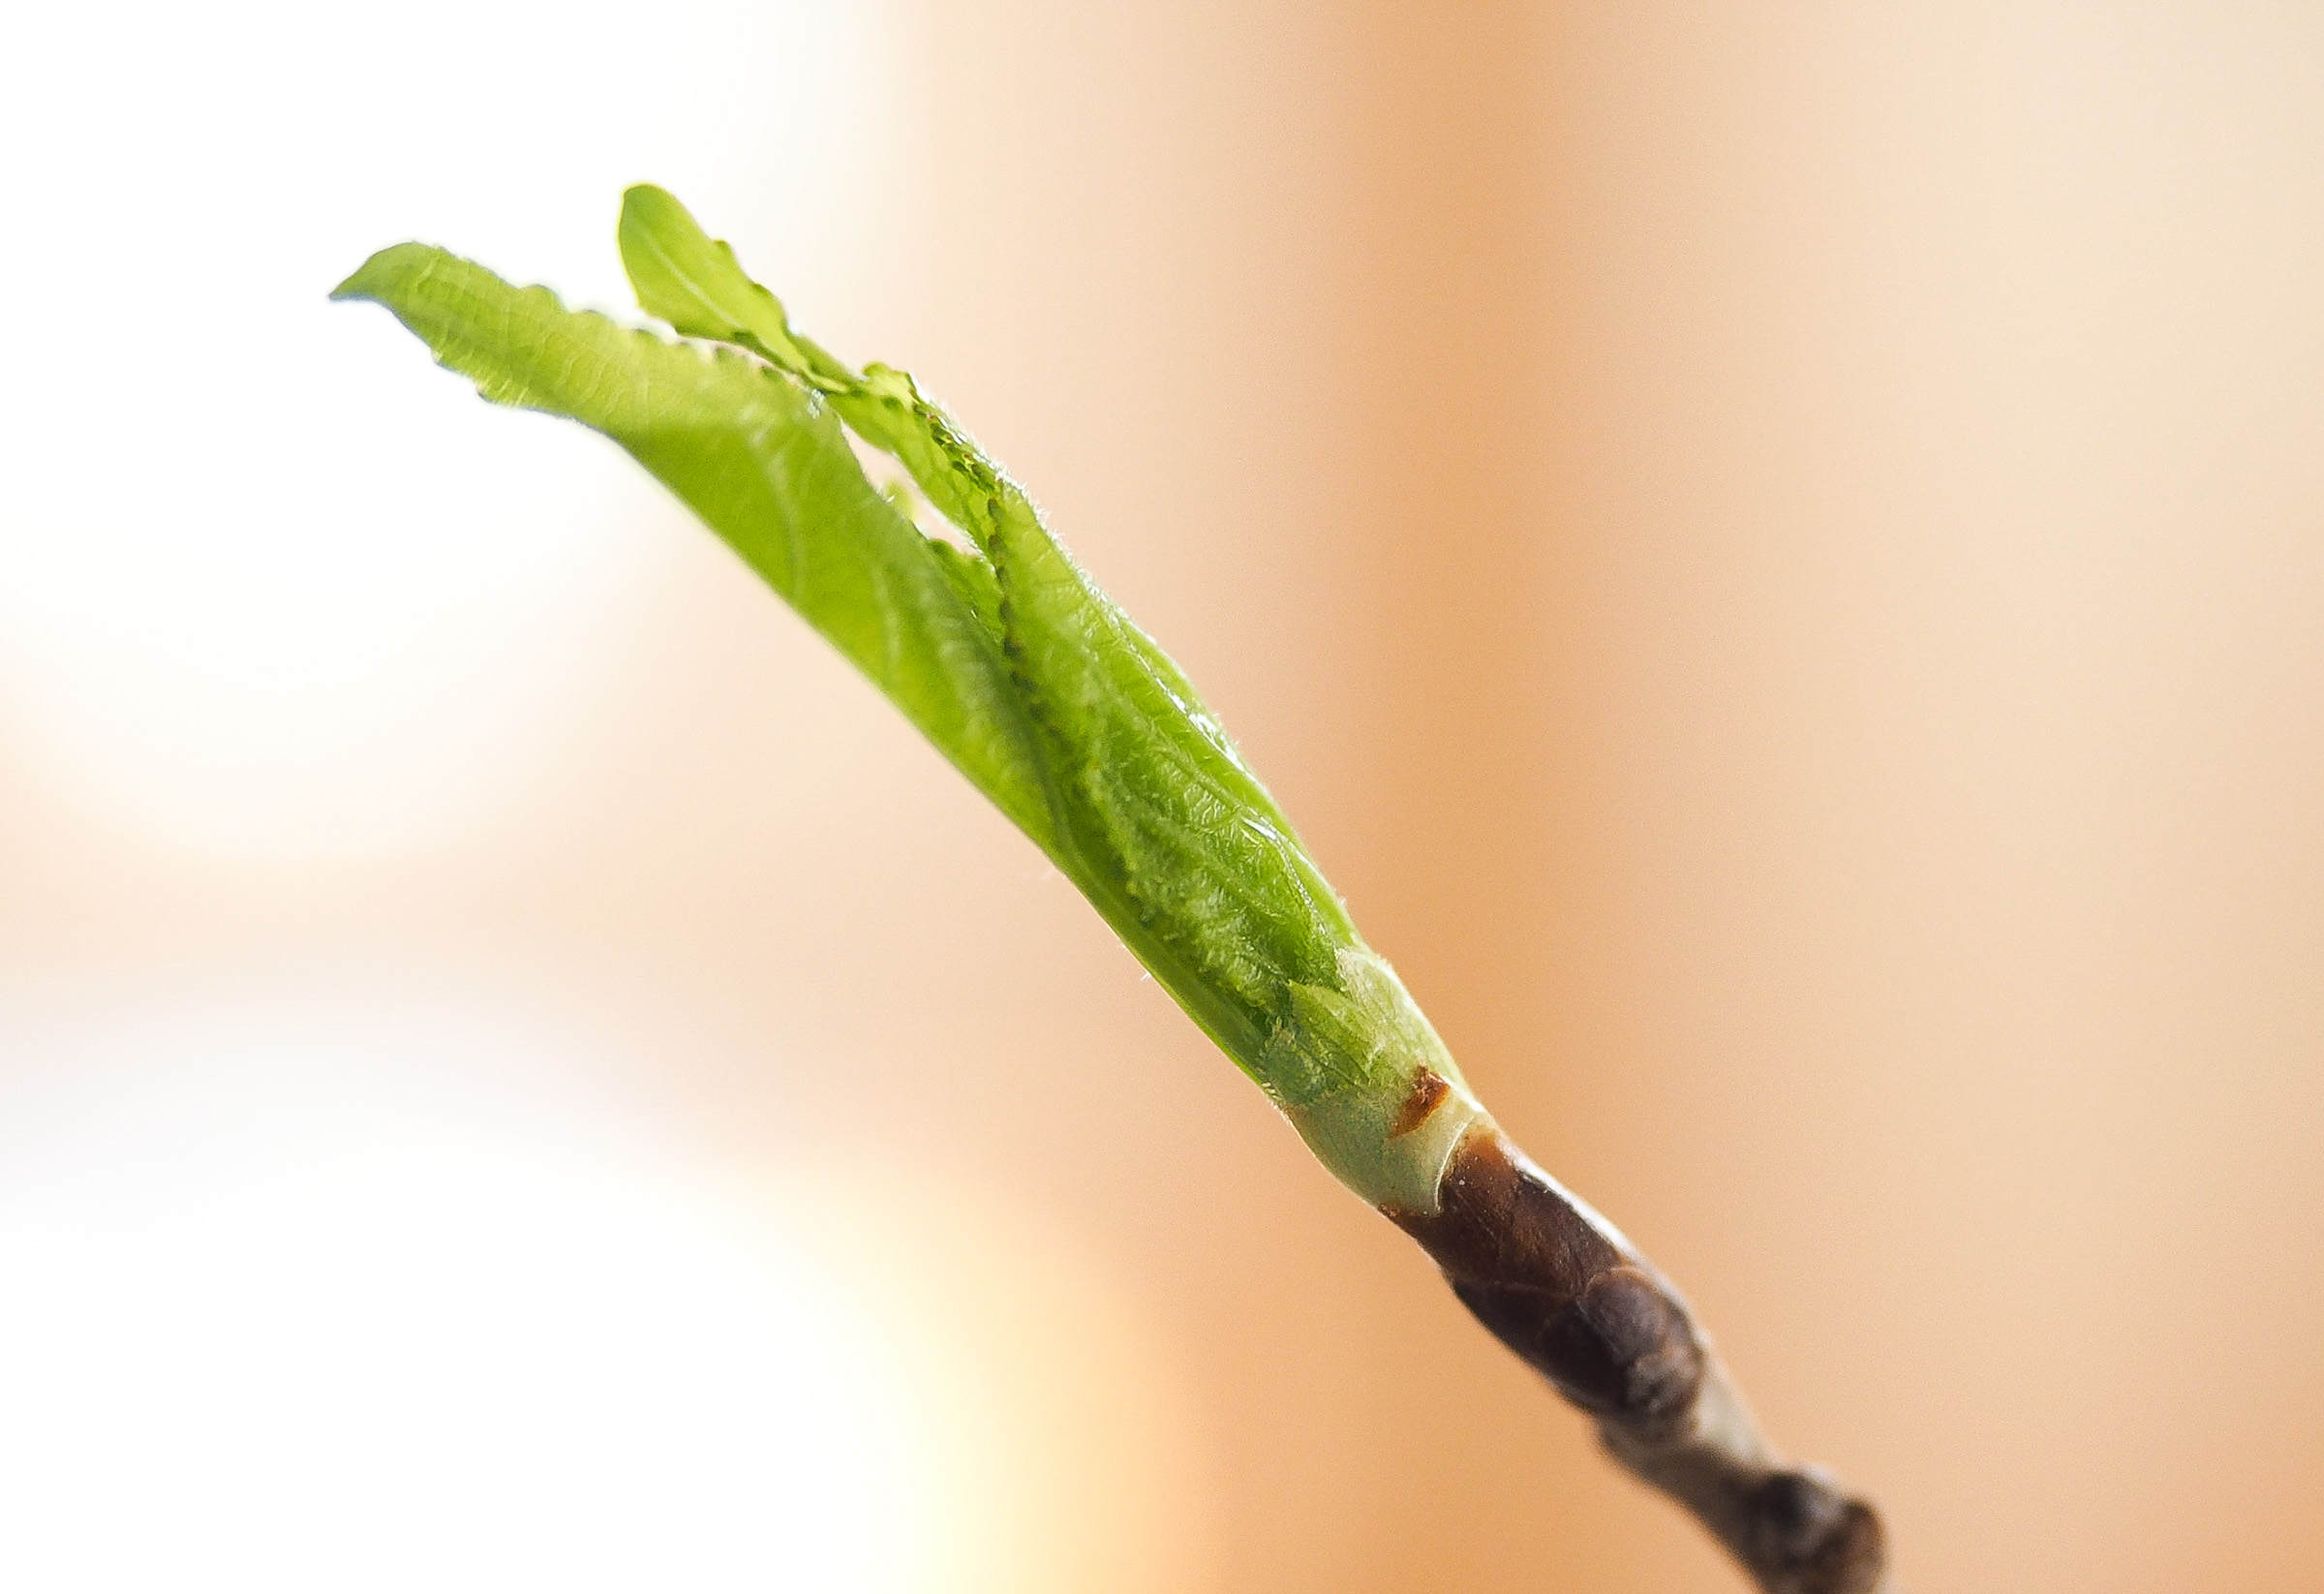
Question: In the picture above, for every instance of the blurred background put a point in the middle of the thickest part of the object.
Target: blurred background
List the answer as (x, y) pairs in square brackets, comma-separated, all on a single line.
[(1771, 550)]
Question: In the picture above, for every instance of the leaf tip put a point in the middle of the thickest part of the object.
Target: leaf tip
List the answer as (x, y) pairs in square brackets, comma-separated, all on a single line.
[(378, 277), (652, 218), (645, 200)]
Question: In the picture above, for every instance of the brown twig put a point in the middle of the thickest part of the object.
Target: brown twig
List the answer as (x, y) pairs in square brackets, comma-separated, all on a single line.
[(1560, 1286)]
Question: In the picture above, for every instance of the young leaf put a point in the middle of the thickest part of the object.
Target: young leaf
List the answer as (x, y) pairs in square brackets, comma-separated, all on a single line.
[(1010, 658), (766, 465), (1171, 837)]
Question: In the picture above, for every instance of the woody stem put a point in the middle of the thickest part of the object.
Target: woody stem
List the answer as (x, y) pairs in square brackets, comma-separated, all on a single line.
[(1561, 1288)]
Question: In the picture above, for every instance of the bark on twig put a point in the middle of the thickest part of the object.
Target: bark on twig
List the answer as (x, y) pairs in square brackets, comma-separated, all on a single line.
[(1560, 1286)]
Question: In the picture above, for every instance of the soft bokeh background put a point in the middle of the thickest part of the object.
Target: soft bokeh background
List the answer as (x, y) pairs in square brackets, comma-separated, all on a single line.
[(1773, 552)]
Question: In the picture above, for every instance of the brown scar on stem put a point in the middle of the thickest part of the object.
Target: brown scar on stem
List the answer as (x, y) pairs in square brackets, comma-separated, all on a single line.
[(1429, 1088), (1578, 1305)]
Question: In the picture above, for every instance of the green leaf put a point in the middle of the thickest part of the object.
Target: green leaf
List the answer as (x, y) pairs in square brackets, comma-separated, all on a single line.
[(693, 281), (766, 465), (1172, 836), (1183, 850), (1009, 658)]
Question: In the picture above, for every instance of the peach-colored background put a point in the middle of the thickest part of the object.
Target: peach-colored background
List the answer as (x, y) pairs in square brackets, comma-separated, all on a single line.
[(1774, 554)]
